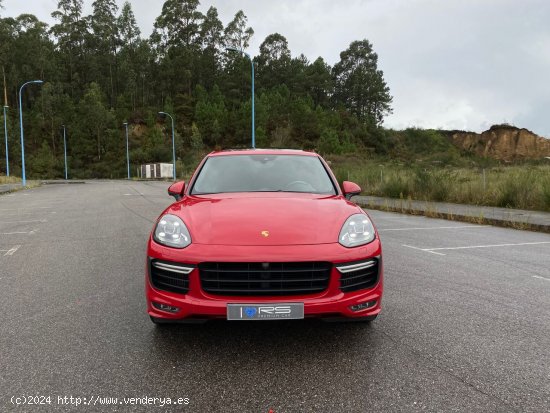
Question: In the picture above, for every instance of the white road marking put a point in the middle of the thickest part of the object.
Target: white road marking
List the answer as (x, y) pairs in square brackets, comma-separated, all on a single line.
[(27, 213), (427, 228), (489, 246), (10, 252), (24, 209), (540, 278), (17, 222), (434, 250), (16, 232), (422, 249)]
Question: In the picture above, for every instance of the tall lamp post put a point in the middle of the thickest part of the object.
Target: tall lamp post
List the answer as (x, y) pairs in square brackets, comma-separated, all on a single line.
[(173, 145), (6, 139), (234, 49), (6, 122), (21, 128), (65, 150), (127, 152)]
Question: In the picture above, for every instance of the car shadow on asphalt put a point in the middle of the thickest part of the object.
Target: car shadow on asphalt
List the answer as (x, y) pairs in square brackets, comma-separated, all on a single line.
[(300, 339)]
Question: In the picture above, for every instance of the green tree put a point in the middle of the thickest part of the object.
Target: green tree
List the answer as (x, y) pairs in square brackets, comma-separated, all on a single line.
[(94, 120), (273, 61), (103, 41), (196, 139), (43, 163), (176, 43), (237, 34), (128, 30), (360, 85), (319, 83), (55, 111), (30, 39), (210, 115), (70, 34), (211, 35), (177, 26), (132, 59)]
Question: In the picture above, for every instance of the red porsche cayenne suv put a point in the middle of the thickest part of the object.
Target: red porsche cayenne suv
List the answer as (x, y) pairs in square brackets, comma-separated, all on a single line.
[(263, 235)]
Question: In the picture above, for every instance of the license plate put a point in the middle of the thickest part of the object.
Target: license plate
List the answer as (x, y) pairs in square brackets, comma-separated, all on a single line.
[(276, 311)]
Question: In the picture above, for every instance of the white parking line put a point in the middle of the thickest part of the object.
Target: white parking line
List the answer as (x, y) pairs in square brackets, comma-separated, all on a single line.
[(434, 250), (427, 228), (423, 249), (540, 278), (490, 246), (27, 213), (10, 252), (18, 222), (31, 232), (23, 209)]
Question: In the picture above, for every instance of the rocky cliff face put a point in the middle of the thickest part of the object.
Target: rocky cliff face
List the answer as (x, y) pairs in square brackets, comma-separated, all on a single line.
[(503, 142)]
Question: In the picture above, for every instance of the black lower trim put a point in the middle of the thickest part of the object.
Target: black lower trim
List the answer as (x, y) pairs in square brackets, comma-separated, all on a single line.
[(166, 280), (360, 279)]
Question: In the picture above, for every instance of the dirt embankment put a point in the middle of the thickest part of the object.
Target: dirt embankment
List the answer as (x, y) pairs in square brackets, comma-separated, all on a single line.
[(503, 142)]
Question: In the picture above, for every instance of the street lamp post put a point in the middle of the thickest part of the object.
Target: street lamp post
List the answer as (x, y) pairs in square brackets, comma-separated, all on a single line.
[(127, 152), (234, 49), (173, 145), (24, 183), (65, 150), (6, 138)]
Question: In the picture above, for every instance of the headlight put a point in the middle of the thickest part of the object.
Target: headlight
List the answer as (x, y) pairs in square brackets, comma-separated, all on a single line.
[(357, 230), (172, 232)]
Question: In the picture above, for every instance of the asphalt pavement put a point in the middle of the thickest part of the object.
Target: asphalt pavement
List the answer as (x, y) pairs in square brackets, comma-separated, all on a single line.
[(465, 325)]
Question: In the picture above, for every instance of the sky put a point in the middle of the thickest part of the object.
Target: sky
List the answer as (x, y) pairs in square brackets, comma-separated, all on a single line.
[(450, 64)]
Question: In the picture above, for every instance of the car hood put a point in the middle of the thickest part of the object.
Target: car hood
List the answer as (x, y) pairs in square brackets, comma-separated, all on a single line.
[(268, 219)]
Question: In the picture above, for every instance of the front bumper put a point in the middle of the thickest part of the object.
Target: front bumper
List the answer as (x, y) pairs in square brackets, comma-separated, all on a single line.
[(198, 304)]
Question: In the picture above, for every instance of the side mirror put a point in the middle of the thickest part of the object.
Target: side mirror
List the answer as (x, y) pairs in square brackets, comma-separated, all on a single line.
[(350, 189), (177, 190)]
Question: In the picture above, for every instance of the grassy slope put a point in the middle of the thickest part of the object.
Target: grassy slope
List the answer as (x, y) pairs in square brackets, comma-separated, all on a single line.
[(424, 165)]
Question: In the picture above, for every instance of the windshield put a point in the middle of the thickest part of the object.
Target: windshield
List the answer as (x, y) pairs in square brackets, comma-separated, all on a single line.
[(263, 173)]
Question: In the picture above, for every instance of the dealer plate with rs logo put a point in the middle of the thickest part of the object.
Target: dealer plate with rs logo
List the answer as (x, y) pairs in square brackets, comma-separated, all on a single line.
[(271, 311)]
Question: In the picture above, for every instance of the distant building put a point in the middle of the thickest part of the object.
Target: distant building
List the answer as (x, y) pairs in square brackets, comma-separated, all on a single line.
[(156, 170)]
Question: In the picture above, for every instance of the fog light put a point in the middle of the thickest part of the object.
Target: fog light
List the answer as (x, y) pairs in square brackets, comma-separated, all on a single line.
[(165, 307), (362, 306)]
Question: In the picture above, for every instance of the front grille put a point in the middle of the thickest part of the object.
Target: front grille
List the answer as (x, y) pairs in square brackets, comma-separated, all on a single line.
[(170, 276), (359, 275), (273, 278)]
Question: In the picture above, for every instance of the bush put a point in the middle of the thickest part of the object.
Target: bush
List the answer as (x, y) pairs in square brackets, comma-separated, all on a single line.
[(396, 187), (433, 184), (330, 143)]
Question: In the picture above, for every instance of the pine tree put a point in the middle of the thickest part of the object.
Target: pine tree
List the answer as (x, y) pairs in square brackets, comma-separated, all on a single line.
[(360, 85), (273, 61)]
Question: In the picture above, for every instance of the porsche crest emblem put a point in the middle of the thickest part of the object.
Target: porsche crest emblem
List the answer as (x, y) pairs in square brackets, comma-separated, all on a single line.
[(265, 234)]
